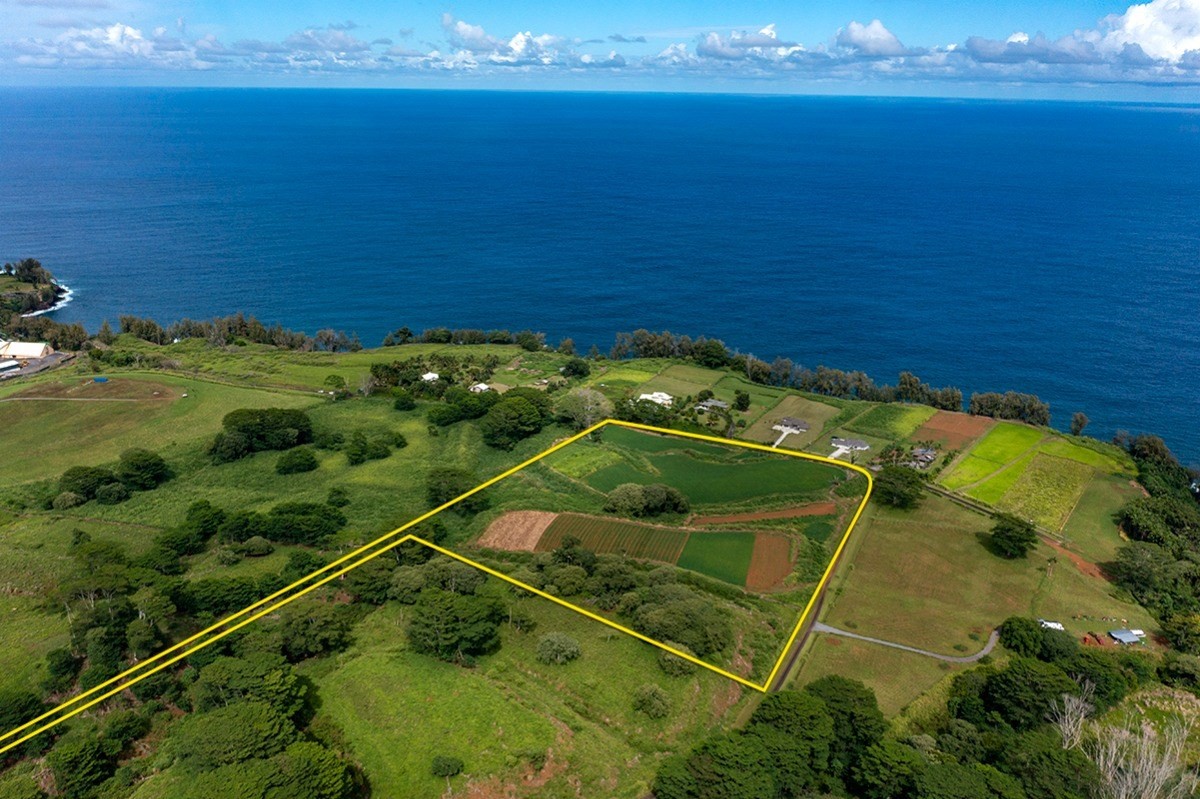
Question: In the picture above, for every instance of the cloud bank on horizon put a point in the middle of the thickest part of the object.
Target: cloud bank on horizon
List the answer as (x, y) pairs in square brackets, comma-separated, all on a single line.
[(1152, 43)]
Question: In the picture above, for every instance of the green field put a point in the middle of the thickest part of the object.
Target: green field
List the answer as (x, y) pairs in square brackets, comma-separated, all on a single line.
[(724, 555), (617, 536), (811, 411), (926, 579), (580, 461), (995, 487), (1047, 491), (891, 421), (1112, 459), (1091, 529), (398, 710), (681, 381), (1002, 445), (65, 433)]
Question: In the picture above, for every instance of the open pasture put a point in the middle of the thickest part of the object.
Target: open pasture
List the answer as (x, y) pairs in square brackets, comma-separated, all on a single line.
[(1092, 528), (681, 381), (894, 421)]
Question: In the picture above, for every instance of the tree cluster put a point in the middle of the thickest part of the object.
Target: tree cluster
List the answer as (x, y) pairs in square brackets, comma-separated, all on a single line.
[(137, 470), (1010, 405), (655, 499), (251, 430)]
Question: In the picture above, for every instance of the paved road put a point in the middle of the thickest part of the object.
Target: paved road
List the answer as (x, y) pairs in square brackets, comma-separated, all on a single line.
[(818, 627)]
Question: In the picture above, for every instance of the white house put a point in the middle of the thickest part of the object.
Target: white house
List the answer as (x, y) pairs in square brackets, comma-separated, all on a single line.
[(24, 349), (479, 388), (430, 377), (1052, 625), (658, 397)]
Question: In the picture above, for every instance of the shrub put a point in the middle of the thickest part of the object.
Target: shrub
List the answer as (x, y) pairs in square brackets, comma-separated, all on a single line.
[(557, 649), (404, 401), (446, 766), (68, 499), (674, 665), (295, 461), (227, 557), (651, 700), (338, 497), (256, 429), (142, 470), (112, 494), (256, 547), (85, 480)]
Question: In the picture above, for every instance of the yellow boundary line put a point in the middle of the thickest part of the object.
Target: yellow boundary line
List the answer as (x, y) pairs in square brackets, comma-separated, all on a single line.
[(270, 604)]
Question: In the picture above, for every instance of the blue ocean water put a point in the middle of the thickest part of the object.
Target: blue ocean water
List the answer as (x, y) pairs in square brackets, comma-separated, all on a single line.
[(1043, 247)]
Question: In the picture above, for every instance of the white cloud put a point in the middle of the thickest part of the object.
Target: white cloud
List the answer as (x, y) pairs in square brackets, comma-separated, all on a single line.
[(872, 39), (1163, 29)]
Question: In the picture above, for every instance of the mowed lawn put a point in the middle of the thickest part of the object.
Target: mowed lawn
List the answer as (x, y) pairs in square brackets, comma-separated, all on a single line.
[(811, 411), (57, 434), (926, 579), (724, 555), (893, 421)]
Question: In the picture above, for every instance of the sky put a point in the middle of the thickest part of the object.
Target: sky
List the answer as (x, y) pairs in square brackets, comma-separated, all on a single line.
[(1053, 48)]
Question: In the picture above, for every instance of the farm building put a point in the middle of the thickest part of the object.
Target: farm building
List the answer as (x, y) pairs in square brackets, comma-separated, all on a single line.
[(790, 424), (24, 349), (1125, 637), (659, 398), (856, 444), (712, 405), (479, 388), (8, 366), (1051, 625), (430, 377)]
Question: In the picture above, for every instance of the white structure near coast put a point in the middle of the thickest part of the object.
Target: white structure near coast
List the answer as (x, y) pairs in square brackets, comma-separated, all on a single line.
[(24, 349)]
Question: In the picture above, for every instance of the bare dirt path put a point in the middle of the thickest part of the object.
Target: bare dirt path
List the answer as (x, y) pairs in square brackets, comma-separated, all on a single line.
[(818, 627)]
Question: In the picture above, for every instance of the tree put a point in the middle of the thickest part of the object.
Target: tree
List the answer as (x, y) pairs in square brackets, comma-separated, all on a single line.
[(1012, 537), (651, 700), (1024, 691), (85, 480), (142, 470), (576, 367), (584, 407), (1142, 762), (887, 769), (857, 720), (557, 648), (1183, 631), (454, 627), (446, 766), (960, 781), (311, 771), (79, 766), (1079, 421), (444, 484), (741, 401), (1021, 635), (510, 420), (404, 400), (230, 734), (797, 730), (112, 494), (258, 676), (899, 487), (335, 382), (295, 461), (726, 766), (313, 628)]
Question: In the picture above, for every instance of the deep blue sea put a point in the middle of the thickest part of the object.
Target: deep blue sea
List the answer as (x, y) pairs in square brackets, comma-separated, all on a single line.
[(1044, 247)]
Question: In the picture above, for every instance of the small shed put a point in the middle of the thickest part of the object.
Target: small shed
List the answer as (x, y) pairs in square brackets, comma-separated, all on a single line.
[(1051, 625), (479, 388), (430, 377), (7, 366), (1126, 637)]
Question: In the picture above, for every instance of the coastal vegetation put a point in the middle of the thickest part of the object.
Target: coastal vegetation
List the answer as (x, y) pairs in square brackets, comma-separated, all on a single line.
[(665, 535)]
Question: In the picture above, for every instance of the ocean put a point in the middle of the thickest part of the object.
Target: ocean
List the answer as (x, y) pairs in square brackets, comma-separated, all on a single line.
[(1052, 248)]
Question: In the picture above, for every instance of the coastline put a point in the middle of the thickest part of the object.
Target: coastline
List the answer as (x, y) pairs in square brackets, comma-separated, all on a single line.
[(63, 300)]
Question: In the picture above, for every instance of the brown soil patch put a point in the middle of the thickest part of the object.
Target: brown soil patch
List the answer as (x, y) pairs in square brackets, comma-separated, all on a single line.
[(518, 531), (954, 430), (113, 389), (1084, 566), (770, 563), (815, 509)]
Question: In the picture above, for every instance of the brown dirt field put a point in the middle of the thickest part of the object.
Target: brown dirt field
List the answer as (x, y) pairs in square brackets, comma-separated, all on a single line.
[(770, 563), (955, 430), (113, 389), (1084, 566), (517, 531), (815, 509)]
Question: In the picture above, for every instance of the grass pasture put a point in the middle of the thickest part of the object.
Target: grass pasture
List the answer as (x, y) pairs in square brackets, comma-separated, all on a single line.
[(894, 421), (578, 462), (617, 536), (817, 414), (724, 555), (995, 487), (1090, 529), (926, 579), (681, 380)]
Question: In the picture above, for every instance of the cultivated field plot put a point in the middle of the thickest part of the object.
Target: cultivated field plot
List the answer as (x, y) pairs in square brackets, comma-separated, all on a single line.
[(1047, 491), (681, 381), (1003, 444), (621, 537), (892, 421), (815, 413), (724, 555), (953, 430)]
